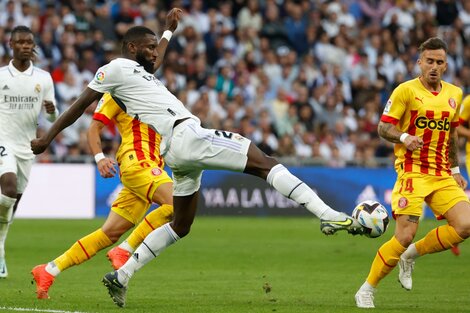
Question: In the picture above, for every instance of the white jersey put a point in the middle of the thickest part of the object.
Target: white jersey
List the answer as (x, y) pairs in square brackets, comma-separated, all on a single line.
[(141, 95), (21, 98)]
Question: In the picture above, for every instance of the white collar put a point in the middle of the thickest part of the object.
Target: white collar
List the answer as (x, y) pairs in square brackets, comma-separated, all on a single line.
[(15, 72)]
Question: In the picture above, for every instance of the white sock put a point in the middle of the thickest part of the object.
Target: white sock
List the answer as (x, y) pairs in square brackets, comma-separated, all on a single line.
[(411, 252), (367, 287), (6, 213), (151, 247), (52, 269), (293, 188), (126, 246)]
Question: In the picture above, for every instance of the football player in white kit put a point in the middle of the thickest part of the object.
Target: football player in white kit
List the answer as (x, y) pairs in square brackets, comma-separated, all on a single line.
[(188, 149), (24, 91)]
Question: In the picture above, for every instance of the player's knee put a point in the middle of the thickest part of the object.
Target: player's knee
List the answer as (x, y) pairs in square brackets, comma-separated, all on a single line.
[(181, 229), (261, 165), (113, 234), (405, 238), (463, 229), (9, 191)]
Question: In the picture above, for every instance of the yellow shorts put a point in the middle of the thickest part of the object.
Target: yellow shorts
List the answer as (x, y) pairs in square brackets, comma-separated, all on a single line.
[(140, 182), (412, 189)]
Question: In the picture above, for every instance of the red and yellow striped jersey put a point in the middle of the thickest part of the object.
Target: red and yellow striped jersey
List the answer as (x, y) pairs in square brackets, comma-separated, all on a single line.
[(465, 120), (139, 141), (419, 112)]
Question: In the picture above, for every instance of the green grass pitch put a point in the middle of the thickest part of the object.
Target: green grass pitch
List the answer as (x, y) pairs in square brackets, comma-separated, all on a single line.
[(233, 265)]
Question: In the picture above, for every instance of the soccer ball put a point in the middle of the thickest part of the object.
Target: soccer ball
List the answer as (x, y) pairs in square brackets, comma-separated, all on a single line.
[(372, 216)]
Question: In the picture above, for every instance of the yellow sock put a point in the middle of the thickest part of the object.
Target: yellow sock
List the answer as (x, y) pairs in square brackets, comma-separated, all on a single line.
[(153, 220), (385, 261), (439, 239), (83, 249)]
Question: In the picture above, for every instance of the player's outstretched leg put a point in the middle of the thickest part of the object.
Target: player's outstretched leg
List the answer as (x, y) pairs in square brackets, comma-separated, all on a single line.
[(43, 281), (293, 188), (116, 290)]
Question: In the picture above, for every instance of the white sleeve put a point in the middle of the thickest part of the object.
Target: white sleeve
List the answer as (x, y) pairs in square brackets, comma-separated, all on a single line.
[(49, 95), (107, 78)]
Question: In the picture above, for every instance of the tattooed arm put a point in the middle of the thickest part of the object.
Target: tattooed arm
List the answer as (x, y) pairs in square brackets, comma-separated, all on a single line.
[(391, 133), (454, 157)]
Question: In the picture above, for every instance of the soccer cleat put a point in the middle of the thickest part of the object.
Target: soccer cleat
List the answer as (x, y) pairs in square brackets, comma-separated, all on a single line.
[(43, 281), (365, 299), (455, 250), (116, 290), (344, 222), (406, 269), (118, 257), (3, 268)]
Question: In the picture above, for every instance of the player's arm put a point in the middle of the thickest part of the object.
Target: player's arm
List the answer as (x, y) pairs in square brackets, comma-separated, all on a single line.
[(87, 97), (463, 131), (171, 24), (49, 103), (390, 132), (106, 166), (51, 110), (454, 158)]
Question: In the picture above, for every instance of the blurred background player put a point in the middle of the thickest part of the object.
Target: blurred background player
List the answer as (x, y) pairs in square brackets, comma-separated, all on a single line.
[(144, 181), (421, 118), (24, 91)]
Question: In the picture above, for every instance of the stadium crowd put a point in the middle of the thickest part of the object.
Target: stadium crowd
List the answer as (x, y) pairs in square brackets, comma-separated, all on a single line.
[(305, 79)]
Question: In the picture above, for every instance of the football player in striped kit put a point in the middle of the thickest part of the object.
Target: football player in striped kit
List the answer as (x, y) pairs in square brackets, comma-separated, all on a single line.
[(421, 119), (25, 91)]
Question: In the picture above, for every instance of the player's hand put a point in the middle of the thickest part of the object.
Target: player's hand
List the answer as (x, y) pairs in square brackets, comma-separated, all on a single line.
[(461, 181), (173, 18), (50, 108), (413, 142), (107, 168), (39, 145)]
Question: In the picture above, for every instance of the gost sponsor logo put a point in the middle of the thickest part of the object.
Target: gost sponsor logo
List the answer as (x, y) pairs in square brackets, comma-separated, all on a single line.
[(423, 122)]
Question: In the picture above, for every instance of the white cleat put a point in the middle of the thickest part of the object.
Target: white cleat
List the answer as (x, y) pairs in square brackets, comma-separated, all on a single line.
[(406, 267), (365, 299), (3, 268)]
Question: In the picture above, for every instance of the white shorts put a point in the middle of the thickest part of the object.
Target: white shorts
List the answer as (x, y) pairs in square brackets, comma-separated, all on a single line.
[(9, 163), (194, 149)]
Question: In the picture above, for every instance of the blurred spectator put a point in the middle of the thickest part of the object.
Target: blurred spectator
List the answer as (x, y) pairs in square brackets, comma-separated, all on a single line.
[(302, 79)]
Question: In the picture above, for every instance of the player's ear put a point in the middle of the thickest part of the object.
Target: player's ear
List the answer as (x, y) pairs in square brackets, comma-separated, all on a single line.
[(131, 48)]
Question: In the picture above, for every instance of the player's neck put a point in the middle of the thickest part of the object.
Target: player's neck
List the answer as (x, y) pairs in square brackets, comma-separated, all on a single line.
[(21, 65), (431, 87)]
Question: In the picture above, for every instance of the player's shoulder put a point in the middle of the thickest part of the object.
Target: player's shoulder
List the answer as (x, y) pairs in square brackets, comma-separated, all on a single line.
[(453, 88), (120, 62), (41, 73), (410, 84), (4, 70), (406, 87)]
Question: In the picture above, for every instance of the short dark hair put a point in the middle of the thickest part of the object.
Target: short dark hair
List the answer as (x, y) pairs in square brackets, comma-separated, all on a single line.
[(21, 29), (433, 43), (134, 34)]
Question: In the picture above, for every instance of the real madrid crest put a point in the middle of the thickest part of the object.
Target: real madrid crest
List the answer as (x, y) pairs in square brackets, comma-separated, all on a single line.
[(37, 88)]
